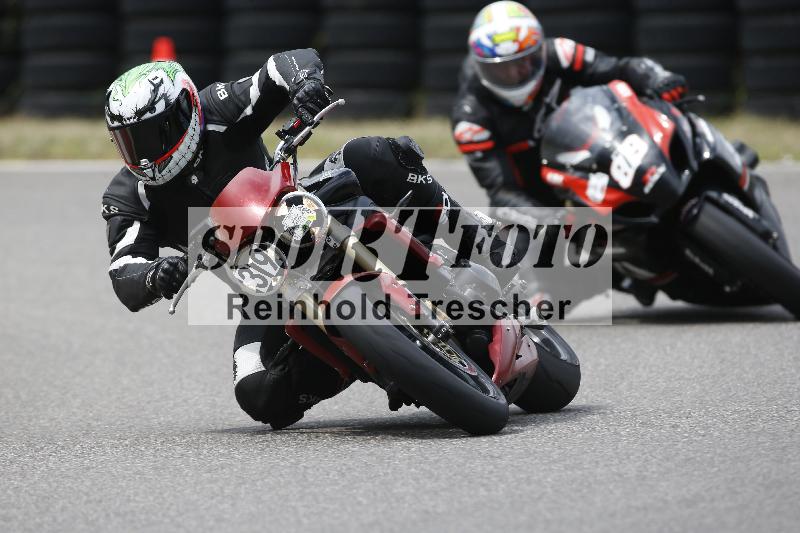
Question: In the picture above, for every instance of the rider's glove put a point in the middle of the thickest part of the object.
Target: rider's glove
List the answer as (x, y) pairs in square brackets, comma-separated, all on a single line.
[(646, 76), (671, 88), (309, 96), (166, 276)]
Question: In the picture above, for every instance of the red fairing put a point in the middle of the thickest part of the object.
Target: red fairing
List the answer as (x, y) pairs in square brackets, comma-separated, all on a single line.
[(613, 197), (255, 191), (658, 125)]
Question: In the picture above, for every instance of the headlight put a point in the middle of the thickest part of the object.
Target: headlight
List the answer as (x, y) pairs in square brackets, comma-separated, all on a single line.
[(300, 219)]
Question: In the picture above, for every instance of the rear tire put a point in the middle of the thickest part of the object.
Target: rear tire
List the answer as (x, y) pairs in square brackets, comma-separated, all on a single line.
[(558, 374)]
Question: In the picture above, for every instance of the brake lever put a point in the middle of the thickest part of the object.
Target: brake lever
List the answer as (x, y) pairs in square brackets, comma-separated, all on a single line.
[(686, 101)]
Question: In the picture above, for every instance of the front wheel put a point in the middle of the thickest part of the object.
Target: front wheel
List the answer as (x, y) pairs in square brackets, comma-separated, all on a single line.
[(437, 374), (558, 374), (735, 246)]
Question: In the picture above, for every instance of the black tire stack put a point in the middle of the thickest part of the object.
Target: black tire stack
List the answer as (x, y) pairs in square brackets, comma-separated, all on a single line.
[(193, 25), (770, 43), (370, 49), (9, 53), (69, 52), (604, 25), (445, 29), (696, 38), (255, 30)]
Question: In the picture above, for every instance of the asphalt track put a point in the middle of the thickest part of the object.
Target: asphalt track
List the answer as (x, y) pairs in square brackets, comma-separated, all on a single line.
[(687, 419)]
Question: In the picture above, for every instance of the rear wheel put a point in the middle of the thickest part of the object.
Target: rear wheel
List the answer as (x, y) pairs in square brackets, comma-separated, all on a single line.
[(435, 373), (735, 246), (558, 374)]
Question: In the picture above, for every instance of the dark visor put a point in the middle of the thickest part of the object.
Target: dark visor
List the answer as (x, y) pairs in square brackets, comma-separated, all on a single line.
[(156, 136), (514, 72)]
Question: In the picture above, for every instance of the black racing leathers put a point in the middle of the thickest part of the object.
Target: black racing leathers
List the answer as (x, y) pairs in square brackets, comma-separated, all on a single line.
[(141, 219), (499, 141)]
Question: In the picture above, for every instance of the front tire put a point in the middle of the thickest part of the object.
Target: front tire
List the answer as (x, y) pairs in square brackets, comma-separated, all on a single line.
[(463, 395), (734, 245)]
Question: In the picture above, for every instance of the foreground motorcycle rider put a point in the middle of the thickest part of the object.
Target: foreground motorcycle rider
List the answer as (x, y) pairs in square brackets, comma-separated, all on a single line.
[(510, 70), (181, 147)]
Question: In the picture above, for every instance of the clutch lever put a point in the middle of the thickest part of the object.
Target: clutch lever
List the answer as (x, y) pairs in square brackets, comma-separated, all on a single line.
[(202, 264)]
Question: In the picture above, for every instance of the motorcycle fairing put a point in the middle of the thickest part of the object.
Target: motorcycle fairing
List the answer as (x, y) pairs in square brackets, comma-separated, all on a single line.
[(712, 148), (255, 190), (608, 148), (513, 355)]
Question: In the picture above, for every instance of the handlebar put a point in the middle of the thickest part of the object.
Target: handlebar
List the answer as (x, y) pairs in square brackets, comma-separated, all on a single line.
[(285, 149), (289, 143)]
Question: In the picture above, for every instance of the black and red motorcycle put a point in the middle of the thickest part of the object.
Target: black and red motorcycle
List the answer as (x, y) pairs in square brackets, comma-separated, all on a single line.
[(419, 358), (690, 218)]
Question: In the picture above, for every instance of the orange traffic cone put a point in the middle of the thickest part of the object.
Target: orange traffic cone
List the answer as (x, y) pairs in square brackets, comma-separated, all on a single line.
[(163, 49)]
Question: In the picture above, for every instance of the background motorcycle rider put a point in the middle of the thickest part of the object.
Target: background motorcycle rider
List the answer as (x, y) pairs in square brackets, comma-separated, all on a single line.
[(181, 147), (510, 69)]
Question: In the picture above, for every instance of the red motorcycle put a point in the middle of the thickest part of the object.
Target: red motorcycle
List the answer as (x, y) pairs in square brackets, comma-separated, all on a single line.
[(690, 218), (419, 358)]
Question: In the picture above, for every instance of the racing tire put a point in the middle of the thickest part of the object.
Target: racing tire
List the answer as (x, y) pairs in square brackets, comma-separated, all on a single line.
[(467, 399), (68, 31), (154, 7), (610, 31), (9, 70), (440, 72), (71, 5), (370, 30), (439, 103), (750, 6), (771, 33), (59, 103), (768, 73), (280, 30), (558, 374), (734, 245), (258, 5), (704, 72), (67, 70), (446, 32), (393, 5), (191, 33), (371, 70), (374, 103), (685, 32)]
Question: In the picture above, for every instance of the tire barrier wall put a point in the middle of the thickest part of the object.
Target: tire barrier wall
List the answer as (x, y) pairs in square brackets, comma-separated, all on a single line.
[(386, 57)]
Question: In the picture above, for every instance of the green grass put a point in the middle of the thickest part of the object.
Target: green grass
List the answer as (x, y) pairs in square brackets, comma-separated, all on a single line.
[(29, 138)]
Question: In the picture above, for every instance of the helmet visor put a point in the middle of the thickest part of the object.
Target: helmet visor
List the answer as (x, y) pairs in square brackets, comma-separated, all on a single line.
[(156, 137), (514, 72)]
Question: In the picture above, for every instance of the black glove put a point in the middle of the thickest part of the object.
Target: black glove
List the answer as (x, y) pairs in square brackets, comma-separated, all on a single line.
[(309, 96), (166, 276), (648, 77), (671, 88)]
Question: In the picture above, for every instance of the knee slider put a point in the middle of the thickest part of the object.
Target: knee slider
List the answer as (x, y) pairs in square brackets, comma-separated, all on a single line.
[(264, 396)]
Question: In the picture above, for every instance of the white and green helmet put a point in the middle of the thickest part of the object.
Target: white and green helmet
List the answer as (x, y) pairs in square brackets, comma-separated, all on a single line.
[(154, 117)]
